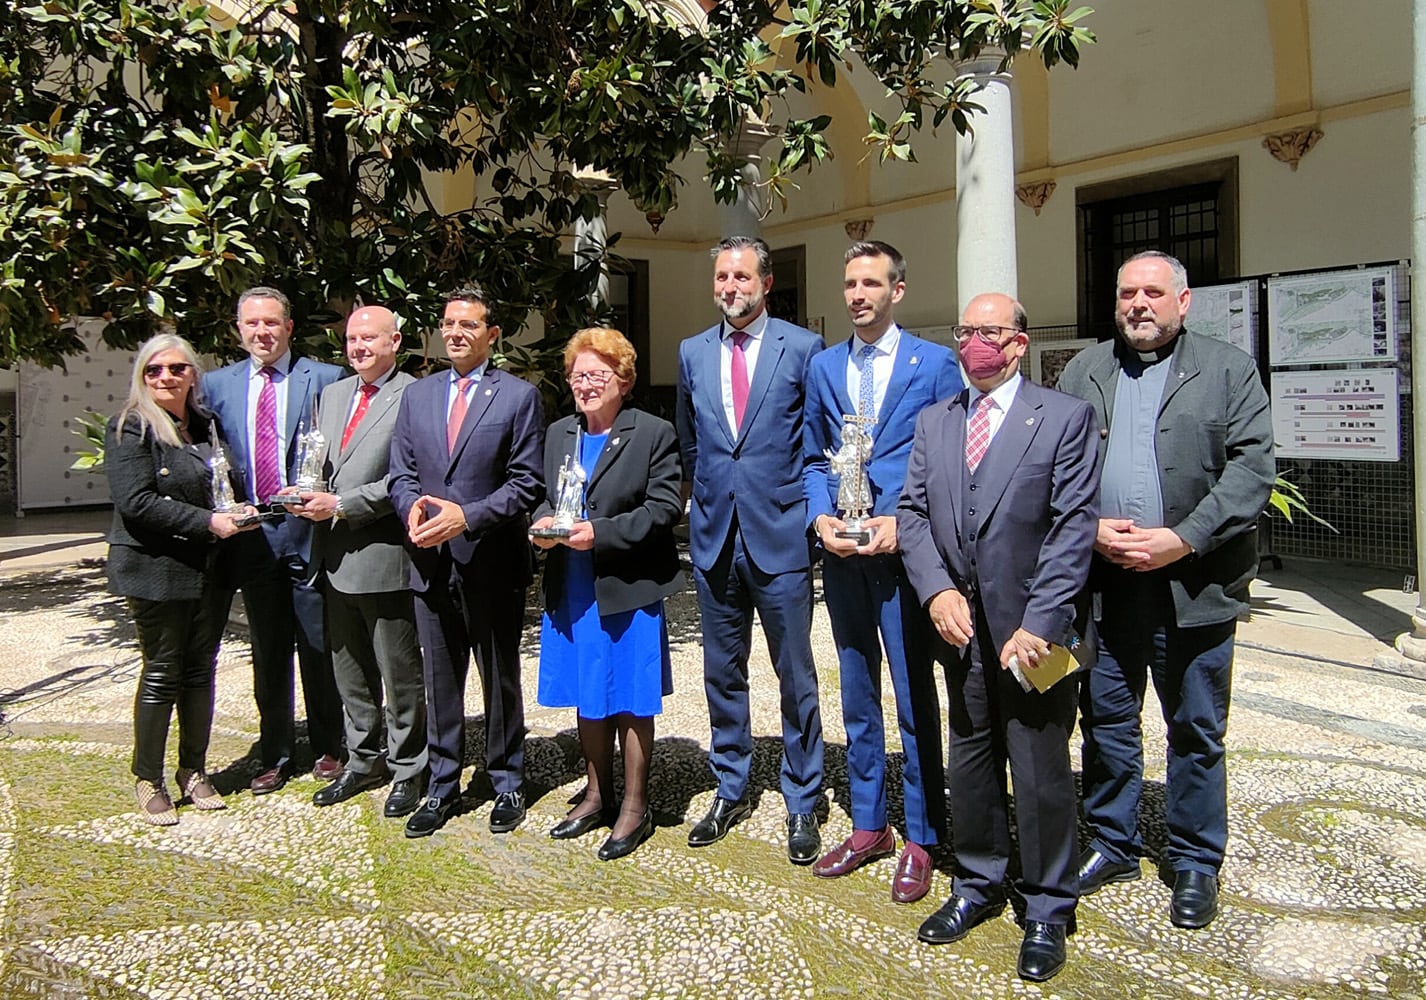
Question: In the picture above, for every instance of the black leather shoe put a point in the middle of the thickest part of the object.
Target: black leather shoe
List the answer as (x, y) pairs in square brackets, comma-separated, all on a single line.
[(1096, 871), (955, 919), (405, 797), (577, 826), (508, 813), (432, 815), (618, 847), (1195, 900), (724, 815), (804, 839), (1042, 953), (349, 784)]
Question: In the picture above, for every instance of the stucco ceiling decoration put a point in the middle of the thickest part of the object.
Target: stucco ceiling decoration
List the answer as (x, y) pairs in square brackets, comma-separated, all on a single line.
[(1034, 196), (858, 229), (1291, 146)]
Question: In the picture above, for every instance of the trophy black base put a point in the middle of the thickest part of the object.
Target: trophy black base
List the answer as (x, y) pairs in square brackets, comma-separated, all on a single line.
[(259, 517), (862, 536), (549, 532)]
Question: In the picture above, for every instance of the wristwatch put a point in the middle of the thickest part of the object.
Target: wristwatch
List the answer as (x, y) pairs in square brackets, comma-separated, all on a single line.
[(341, 511)]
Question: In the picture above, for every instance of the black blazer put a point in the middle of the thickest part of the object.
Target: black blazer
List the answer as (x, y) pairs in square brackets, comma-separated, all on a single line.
[(160, 547), (634, 501)]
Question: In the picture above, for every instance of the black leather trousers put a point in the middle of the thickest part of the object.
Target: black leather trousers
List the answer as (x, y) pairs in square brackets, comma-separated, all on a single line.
[(179, 644)]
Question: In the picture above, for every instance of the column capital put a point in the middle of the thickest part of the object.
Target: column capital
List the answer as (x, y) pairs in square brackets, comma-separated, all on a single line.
[(984, 65), (752, 136)]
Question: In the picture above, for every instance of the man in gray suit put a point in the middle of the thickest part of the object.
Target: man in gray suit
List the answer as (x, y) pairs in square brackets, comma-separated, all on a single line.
[(359, 549)]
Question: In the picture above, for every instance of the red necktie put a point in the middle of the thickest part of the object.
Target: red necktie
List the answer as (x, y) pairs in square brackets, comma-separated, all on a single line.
[(740, 378), (457, 417), (266, 475), (978, 434), (367, 391)]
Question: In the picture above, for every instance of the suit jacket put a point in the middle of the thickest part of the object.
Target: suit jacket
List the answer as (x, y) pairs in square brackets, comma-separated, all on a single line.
[(226, 391), (363, 551), (1031, 513), (921, 374), (494, 473), (160, 547), (756, 475), (633, 501), (1216, 467)]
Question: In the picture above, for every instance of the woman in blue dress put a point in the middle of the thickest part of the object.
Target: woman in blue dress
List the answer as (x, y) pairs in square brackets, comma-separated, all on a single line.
[(613, 478)]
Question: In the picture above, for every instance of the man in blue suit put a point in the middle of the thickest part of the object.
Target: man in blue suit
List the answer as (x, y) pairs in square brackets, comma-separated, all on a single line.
[(466, 469), (264, 405), (740, 403), (997, 525), (887, 375)]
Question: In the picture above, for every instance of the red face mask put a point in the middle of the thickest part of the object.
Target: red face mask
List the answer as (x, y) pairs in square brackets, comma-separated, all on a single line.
[(983, 359)]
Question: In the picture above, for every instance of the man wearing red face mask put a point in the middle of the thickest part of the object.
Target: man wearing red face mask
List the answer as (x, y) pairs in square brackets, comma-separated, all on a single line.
[(996, 525)]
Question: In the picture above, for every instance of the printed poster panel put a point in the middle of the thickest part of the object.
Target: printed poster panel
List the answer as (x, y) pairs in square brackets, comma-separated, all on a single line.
[(1332, 316), (1346, 414), (1225, 312)]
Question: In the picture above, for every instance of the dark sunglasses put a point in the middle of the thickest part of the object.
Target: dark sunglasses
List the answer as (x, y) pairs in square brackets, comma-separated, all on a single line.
[(177, 370)]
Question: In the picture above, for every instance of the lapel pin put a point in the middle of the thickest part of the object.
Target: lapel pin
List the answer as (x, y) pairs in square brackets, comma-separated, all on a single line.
[(614, 442), (914, 359), (487, 392), (163, 472), (1029, 421)]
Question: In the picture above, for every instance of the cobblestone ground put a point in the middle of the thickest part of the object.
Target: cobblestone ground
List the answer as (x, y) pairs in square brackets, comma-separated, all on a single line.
[(1324, 886)]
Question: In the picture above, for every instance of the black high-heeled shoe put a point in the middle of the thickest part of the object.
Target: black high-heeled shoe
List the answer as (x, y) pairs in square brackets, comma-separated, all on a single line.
[(577, 826), (618, 847)]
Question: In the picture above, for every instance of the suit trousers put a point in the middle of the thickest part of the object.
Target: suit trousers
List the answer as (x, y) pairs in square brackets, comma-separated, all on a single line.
[(376, 652), (728, 594), (455, 616), (178, 641), (1192, 669), (992, 720), (284, 607), (867, 595)]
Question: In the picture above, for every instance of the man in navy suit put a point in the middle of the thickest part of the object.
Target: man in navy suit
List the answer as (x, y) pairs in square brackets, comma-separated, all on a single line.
[(265, 405), (466, 458), (887, 375), (997, 524), (739, 416)]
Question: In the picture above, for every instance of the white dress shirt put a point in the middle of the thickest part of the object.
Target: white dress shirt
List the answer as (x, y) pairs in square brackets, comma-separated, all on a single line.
[(283, 367), (751, 347), (882, 362)]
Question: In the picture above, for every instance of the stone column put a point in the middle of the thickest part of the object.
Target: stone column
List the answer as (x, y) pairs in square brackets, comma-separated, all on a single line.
[(591, 235), (1412, 645), (744, 217), (985, 185)]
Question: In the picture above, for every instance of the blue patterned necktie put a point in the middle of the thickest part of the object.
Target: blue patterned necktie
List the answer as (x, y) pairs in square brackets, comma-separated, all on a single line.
[(866, 392)]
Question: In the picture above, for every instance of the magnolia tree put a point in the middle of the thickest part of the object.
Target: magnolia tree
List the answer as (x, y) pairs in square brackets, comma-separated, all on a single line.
[(157, 156)]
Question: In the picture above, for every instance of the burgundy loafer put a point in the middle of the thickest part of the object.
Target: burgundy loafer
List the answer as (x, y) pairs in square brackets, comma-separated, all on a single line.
[(913, 875), (327, 768), (270, 780), (845, 857)]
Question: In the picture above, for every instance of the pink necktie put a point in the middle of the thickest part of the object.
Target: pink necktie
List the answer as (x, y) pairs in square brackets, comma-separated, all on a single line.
[(367, 391), (457, 417), (266, 476), (978, 434), (740, 378)]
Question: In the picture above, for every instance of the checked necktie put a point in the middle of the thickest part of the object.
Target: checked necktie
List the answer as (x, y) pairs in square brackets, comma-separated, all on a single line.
[(866, 392), (978, 433)]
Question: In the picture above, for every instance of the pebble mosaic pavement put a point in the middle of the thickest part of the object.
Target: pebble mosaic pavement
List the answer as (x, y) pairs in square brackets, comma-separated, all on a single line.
[(1324, 886)]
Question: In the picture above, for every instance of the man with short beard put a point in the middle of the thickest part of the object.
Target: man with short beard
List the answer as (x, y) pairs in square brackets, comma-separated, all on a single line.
[(1187, 469), (740, 399)]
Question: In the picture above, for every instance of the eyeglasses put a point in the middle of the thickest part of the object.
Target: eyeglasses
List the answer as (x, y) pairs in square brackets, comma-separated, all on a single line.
[(990, 334), (464, 325), (177, 370), (595, 379)]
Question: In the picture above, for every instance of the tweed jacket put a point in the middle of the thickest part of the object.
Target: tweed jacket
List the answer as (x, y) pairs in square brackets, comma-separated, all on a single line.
[(1216, 468)]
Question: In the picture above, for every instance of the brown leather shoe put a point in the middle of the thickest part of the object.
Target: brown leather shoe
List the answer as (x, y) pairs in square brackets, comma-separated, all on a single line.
[(913, 875), (845, 858), (270, 780), (327, 768)]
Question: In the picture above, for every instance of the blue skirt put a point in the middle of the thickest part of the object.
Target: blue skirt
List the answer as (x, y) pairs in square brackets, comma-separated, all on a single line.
[(602, 665)]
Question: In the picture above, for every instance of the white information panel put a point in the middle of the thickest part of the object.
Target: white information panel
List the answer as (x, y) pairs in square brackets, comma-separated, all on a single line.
[(1225, 312), (1332, 316), (1348, 414)]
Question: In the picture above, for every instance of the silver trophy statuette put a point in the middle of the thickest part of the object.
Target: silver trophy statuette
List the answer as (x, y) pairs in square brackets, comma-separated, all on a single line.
[(224, 500), (569, 501), (850, 462), (311, 453)]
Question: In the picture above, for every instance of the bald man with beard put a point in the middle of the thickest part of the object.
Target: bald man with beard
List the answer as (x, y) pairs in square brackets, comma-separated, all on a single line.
[(359, 548)]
